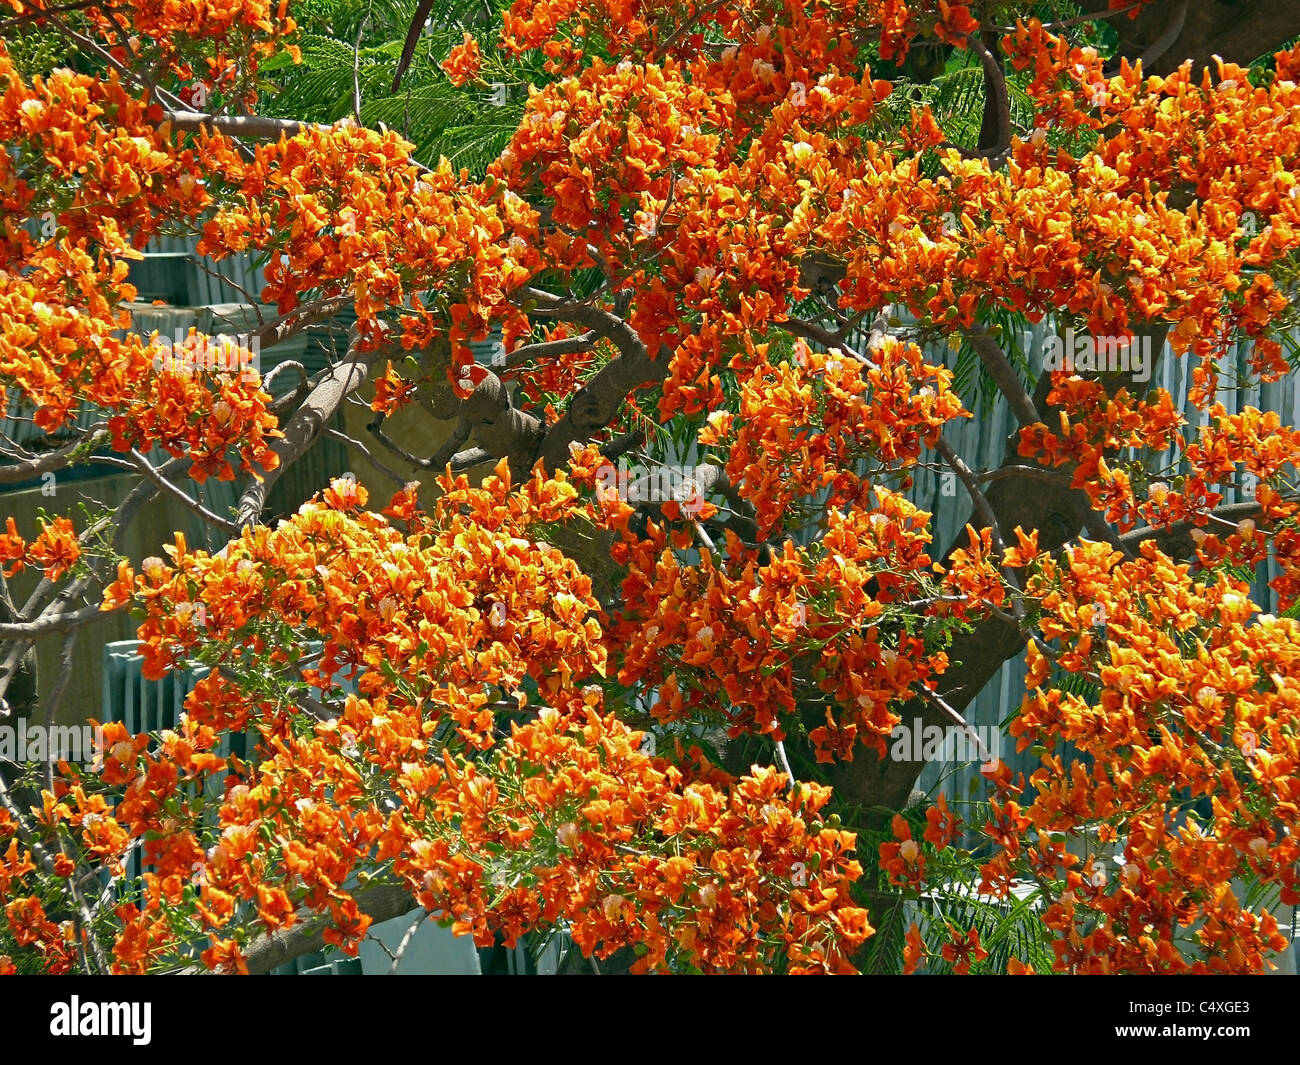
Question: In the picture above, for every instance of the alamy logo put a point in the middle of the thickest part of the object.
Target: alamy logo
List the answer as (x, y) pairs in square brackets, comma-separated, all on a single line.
[(25, 742), (189, 352), (1099, 354), (79, 1018), (946, 743)]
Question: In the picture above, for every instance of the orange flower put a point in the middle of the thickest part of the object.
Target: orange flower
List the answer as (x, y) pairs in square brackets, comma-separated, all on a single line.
[(914, 951), (56, 549), (962, 950), (464, 62)]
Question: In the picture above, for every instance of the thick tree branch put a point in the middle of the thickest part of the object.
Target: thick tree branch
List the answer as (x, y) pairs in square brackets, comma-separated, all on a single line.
[(52, 461), (624, 444), (381, 903), (988, 517), (995, 126), (1005, 377), (1036, 504), (594, 405), (61, 621), (1176, 540), (307, 423), (602, 322), (20, 694), (298, 319), (499, 427), (466, 460), (546, 349), (1161, 45), (244, 127), (1238, 32), (47, 597)]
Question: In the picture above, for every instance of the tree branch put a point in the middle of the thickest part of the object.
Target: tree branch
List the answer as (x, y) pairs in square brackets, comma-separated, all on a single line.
[(465, 460), (61, 621), (353, 442), (26, 469), (439, 459), (1005, 377), (1176, 540), (1162, 44), (307, 423), (380, 903), (244, 127), (549, 348), (192, 504), (298, 319), (594, 405), (1239, 32), (995, 126)]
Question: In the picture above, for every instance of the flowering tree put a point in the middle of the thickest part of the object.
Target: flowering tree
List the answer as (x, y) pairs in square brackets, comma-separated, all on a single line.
[(739, 224)]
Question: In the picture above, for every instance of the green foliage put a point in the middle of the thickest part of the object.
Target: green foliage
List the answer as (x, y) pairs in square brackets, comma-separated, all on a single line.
[(351, 48), (1008, 928), (957, 100), (38, 51)]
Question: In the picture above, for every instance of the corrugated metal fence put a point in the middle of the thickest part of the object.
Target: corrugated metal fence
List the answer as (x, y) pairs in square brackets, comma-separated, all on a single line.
[(981, 441)]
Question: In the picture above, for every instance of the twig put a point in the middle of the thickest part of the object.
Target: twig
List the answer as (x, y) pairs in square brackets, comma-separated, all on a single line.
[(602, 322), (825, 337), (1096, 16), (46, 596), (784, 762), (406, 941), (439, 459), (254, 301), (952, 715), (46, 12), (356, 70), (685, 25), (147, 468), (1036, 473), (1229, 514), (342, 437), (295, 321)]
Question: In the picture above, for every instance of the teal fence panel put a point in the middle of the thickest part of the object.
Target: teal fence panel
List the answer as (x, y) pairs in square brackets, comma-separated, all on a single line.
[(981, 440)]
